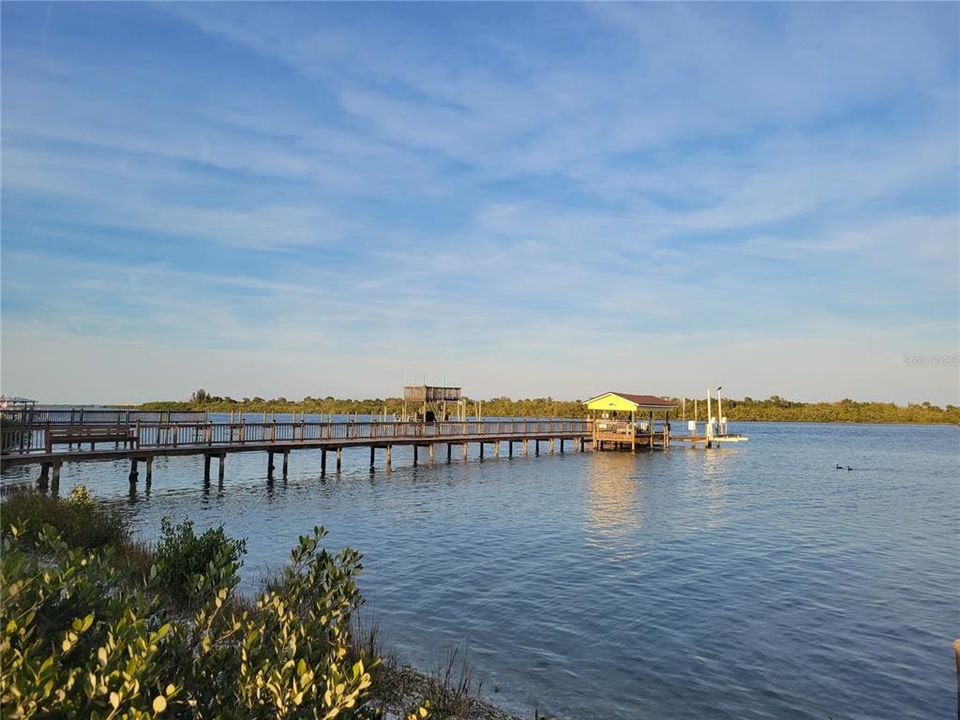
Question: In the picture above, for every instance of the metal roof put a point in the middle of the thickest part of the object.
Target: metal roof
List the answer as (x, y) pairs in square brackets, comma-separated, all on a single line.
[(648, 401)]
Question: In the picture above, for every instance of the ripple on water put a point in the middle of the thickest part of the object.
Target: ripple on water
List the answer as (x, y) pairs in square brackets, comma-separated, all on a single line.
[(750, 582)]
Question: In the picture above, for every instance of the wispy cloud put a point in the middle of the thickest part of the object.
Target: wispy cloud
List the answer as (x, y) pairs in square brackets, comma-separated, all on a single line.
[(480, 189)]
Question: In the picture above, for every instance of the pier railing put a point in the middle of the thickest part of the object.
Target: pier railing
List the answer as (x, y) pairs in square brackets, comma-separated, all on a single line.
[(19, 439), (95, 416)]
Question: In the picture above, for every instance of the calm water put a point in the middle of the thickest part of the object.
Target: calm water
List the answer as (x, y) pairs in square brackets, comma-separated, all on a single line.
[(751, 582)]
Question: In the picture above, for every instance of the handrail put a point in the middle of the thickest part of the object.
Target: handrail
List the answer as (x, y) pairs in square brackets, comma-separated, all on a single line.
[(34, 438)]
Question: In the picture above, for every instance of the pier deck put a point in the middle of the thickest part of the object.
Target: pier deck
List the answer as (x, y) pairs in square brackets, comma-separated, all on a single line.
[(52, 444)]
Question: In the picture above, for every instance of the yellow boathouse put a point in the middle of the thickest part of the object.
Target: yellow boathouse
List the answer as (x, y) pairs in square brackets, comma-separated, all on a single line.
[(628, 420)]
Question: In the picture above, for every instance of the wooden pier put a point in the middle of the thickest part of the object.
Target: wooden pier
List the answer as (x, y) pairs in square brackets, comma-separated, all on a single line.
[(52, 444)]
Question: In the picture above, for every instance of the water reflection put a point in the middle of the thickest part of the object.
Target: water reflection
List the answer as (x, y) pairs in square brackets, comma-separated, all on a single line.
[(710, 472), (613, 504), (657, 580)]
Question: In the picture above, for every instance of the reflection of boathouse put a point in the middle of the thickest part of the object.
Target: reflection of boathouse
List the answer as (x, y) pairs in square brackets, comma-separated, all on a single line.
[(625, 420)]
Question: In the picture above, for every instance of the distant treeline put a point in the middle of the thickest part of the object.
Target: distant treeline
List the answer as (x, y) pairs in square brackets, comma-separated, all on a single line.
[(773, 408)]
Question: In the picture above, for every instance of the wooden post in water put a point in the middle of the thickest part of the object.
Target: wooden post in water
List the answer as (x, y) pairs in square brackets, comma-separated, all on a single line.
[(536, 448), (481, 449), (551, 446), (55, 479), (149, 463), (956, 652), (373, 455), (286, 458), (496, 449), (431, 452), (449, 451), (389, 458), (416, 453), (526, 447), (323, 461), (223, 459), (339, 458), (44, 479), (561, 446), (206, 468), (510, 448), (133, 472), (270, 463), (464, 446)]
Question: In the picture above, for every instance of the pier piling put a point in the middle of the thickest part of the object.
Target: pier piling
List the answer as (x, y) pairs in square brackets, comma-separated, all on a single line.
[(44, 480), (55, 479)]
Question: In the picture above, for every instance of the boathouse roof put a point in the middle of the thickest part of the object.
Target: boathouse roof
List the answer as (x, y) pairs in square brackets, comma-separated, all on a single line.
[(628, 401)]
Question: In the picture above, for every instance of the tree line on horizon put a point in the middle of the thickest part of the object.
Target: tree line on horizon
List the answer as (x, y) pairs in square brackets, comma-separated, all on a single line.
[(773, 409)]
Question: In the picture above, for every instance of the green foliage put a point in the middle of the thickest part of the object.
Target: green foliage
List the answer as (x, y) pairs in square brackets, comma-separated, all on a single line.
[(79, 520), (774, 408), (81, 639), (182, 555)]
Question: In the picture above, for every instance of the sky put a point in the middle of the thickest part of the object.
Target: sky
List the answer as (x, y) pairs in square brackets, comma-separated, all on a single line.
[(521, 199)]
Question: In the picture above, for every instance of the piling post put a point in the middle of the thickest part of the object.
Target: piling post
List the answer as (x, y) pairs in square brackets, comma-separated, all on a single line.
[(464, 446), (389, 456), (149, 463), (510, 448), (526, 447), (561, 446), (323, 461), (55, 479), (44, 480), (373, 455), (449, 451), (223, 459), (286, 458), (206, 468), (270, 463), (416, 455), (536, 448), (431, 452), (956, 652), (134, 475), (481, 449), (339, 458)]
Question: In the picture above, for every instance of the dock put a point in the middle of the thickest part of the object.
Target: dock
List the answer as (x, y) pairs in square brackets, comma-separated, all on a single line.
[(51, 444), (51, 437)]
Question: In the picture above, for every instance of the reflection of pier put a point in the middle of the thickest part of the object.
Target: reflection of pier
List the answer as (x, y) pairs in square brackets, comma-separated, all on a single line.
[(52, 444)]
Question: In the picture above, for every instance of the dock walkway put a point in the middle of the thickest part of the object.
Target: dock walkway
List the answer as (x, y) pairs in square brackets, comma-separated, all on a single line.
[(51, 444)]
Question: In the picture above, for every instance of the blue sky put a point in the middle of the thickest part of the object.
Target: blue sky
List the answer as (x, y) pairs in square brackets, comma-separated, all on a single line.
[(524, 199)]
